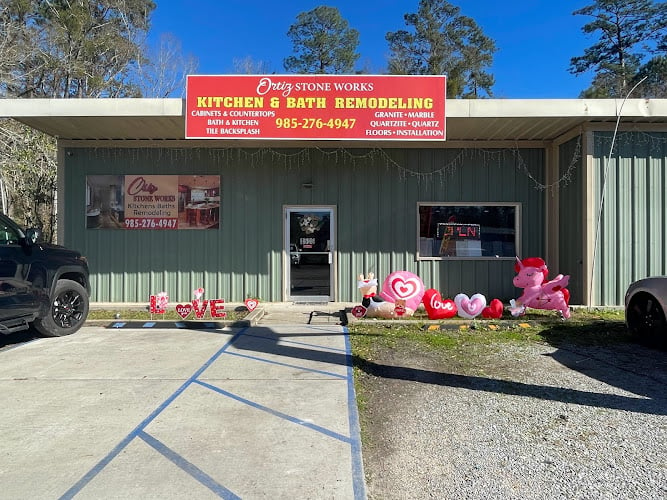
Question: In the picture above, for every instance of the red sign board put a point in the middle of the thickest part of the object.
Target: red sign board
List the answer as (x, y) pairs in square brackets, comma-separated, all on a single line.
[(354, 107)]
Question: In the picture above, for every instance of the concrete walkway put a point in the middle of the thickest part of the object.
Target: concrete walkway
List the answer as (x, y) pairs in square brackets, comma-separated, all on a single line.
[(266, 411)]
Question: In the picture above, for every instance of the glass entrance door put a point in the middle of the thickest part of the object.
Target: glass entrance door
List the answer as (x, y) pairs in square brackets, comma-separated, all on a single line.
[(309, 237)]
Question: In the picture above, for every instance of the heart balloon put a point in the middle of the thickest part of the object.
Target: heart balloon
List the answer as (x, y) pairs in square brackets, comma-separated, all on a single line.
[(494, 310), (436, 308), (251, 304), (470, 307), (359, 311), (403, 285)]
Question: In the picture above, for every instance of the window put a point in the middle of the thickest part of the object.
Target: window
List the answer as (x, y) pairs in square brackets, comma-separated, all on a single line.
[(8, 235), (462, 230)]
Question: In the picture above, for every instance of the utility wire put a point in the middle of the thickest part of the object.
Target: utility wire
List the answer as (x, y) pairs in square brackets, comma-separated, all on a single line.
[(604, 187)]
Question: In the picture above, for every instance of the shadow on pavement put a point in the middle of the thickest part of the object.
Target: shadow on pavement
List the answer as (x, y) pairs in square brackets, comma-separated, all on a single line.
[(611, 355), (10, 340), (647, 381)]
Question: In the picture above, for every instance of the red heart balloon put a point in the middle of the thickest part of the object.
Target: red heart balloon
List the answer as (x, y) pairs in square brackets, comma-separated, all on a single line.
[(359, 311), (436, 308), (494, 310), (251, 304)]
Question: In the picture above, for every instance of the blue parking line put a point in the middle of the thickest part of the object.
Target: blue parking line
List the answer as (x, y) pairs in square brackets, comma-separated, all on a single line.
[(264, 360), (201, 476), (92, 473), (283, 340), (276, 413), (358, 482), (188, 467)]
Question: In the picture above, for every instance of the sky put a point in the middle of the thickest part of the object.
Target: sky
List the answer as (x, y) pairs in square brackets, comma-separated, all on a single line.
[(535, 38)]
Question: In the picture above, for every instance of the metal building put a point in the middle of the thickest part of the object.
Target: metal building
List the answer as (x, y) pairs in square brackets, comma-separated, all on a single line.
[(543, 171)]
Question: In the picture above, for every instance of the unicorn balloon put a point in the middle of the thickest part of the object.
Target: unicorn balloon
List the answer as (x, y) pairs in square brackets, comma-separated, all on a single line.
[(531, 276)]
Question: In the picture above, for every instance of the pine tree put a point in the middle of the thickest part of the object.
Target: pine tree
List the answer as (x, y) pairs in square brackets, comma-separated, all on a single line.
[(628, 31), (323, 43), (440, 40)]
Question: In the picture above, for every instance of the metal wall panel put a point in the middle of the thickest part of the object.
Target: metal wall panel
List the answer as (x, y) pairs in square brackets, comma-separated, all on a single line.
[(631, 197), (570, 235), (375, 193)]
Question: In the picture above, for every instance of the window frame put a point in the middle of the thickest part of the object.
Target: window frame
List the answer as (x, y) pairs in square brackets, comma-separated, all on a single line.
[(517, 231), (7, 225)]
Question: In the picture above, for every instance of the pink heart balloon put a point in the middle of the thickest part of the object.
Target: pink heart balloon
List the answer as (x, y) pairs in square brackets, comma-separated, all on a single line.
[(403, 285), (470, 307)]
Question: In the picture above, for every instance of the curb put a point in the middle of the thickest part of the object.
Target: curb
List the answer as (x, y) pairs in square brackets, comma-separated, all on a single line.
[(252, 319)]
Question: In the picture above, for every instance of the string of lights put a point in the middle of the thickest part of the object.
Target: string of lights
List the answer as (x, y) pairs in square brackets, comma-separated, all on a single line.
[(301, 158), (655, 142)]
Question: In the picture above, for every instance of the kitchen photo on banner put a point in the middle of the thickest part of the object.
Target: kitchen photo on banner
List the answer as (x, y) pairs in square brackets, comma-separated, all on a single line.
[(153, 202)]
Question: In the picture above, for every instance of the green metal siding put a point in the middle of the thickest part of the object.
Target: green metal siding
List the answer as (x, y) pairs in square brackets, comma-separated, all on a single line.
[(633, 221), (375, 193), (571, 217)]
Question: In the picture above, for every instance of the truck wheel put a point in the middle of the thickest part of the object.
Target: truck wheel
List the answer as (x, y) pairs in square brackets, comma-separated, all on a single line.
[(68, 310)]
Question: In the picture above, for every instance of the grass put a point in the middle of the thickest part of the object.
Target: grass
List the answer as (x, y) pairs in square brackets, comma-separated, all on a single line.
[(585, 327), (595, 326), (139, 314)]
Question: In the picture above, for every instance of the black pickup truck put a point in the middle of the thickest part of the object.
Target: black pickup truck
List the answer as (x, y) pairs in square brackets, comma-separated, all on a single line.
[(41, 284)]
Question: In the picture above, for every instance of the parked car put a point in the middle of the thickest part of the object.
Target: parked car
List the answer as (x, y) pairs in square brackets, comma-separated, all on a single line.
[(645, 306), (41, 285)]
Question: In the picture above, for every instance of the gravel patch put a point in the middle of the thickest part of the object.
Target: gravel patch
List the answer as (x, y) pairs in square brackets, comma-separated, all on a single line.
[(516, 422)]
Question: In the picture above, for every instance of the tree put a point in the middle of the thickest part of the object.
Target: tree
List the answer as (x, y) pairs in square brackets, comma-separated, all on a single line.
[(75, 48), (248, 66), (442, 41), (59, 49), (28, 180), (18, 46), (628, 31), (66, 49), (652, 78), (163, 71), (323, 43)]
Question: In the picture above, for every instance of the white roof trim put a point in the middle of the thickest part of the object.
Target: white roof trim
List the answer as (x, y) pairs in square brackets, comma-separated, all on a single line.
[(479, 120)]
